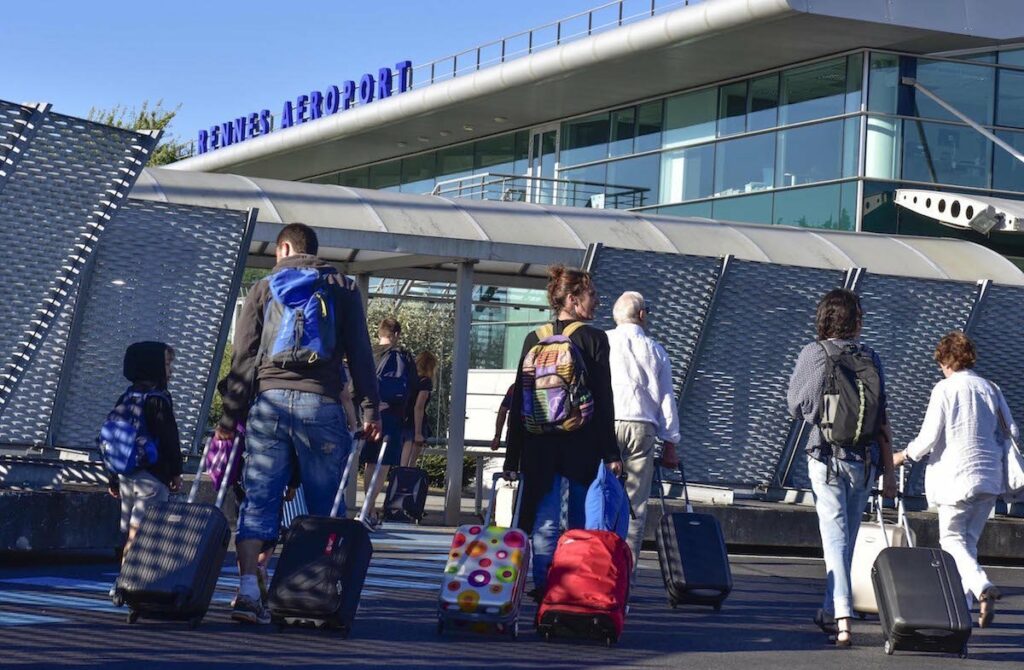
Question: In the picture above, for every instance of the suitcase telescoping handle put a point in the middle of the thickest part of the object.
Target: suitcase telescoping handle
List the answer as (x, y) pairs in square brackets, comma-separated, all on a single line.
[(494, 499), (364, 512), (901, 510), (357, 446), (661, 488), (236, 444)]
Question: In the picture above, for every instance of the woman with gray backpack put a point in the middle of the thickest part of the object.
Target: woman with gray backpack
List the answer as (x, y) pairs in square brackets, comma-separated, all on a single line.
[(838, 387)]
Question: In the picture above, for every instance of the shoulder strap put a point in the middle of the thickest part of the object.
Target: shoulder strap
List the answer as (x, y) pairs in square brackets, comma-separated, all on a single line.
[(831, 351), (572, 328), (547, 330)]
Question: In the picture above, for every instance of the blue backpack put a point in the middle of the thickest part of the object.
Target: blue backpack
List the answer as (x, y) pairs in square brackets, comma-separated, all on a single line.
[(299, 326), (124, 441), (607, 504), (394, 377)]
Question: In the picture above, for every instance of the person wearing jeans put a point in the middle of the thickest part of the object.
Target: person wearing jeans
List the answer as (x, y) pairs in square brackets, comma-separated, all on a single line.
[(965, 432), (295, 410), (840, 477), (546, 460)]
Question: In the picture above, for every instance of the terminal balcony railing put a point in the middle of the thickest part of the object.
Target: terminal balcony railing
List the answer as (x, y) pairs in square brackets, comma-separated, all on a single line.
[(584, 24), (542, 190)]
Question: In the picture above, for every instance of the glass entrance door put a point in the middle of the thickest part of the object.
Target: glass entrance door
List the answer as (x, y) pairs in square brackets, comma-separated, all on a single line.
[(542, 162)]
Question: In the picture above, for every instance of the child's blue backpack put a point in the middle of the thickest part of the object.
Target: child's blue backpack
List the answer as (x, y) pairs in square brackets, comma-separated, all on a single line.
[(124, 441), (299, 327), (607, 504), (394, 378)]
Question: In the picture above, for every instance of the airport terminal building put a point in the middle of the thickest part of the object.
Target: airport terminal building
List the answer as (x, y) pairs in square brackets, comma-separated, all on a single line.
[(777, 112)]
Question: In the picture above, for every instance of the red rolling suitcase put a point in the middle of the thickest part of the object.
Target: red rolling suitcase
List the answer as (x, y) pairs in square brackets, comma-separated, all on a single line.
[(588, 587), (171, 569)]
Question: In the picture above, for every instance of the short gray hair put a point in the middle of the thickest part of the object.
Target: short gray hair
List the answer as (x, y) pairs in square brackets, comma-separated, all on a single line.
[(627, 307)]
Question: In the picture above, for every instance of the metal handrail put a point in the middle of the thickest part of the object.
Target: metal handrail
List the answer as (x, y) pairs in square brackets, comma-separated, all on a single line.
[(539, 189), (479, 61)]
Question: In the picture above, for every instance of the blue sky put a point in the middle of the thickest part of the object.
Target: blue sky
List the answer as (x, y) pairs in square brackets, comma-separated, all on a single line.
[(222, 59)]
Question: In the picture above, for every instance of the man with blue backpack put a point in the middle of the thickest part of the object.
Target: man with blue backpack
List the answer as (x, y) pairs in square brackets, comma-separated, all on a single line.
[(296, 327), (396, 381)]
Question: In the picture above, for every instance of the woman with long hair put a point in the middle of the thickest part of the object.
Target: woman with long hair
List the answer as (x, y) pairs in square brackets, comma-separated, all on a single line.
[(416, 429)]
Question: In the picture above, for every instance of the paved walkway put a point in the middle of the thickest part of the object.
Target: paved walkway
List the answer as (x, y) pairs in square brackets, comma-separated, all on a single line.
[(59, 614)]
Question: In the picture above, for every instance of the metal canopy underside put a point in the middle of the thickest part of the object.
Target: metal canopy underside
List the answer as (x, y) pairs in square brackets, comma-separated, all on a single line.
[(696, 45), (424, 237)]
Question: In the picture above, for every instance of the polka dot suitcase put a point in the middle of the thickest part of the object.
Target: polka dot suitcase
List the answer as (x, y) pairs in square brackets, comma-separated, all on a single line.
[(485, 576)]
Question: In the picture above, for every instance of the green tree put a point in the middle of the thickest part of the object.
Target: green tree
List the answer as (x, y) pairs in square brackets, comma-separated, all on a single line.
[(147, 118)]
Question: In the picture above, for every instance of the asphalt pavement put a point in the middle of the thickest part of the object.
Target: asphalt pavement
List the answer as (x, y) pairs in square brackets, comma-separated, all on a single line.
[(58, 614)]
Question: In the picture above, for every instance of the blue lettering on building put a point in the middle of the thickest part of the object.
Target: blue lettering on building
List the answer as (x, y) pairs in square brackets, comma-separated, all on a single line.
[(311, 106)]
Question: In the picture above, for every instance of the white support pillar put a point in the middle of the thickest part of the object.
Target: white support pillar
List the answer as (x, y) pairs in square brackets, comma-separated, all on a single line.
[(363, 282), (460, 376)]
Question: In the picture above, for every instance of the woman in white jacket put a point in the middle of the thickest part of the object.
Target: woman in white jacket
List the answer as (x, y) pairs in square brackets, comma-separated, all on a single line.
[(964, 432)]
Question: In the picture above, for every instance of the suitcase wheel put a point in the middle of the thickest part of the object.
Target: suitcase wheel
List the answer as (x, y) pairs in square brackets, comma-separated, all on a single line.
[(888, 647), (515, 630), (963, 652), (440, 626), (609, 641), (117, 598), (547, 636), (194, 622), (673, 603), (718, 607), (132, 617)]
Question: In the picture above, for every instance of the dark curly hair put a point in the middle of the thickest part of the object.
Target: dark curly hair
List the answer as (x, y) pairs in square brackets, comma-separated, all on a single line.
[(956, 351), (564, 282), (839, 315)]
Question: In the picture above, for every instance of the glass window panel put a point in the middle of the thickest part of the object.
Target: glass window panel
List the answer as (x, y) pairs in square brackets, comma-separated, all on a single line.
[(522, 152), (454, 162), (623, 128), (584, 140), (648, 126), (851, 146), (813, 91), (969, 88), (325, 179), (419, 168), (587, 181), (386, 175), (882, 158), (422, 187), (358, 178), (690, 118), (986, 57), (763, 105), (854, 79), (495, 154), (1010, 106), (745, 164), (701, 209), (1008, 173), (747, 209), (883, 83), (687, 174), (816, 207), (945, 154), (848, 206), (640, 172), (732, 109), (1013, 57), (810, 153)]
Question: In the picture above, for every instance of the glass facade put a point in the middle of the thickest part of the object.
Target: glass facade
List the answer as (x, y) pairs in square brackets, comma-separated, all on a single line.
[(789, 147)]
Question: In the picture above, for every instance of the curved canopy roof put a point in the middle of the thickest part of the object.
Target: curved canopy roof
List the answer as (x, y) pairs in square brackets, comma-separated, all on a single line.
[(419, 236)]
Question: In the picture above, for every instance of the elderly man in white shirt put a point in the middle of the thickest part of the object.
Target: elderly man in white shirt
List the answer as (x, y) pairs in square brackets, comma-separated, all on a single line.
[(645, 407), (964, 433)]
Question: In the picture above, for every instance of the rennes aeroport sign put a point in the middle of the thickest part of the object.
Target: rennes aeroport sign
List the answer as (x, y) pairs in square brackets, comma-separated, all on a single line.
[(309, 107)]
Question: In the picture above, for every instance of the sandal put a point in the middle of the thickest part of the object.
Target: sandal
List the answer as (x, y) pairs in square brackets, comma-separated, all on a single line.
[(826, 622), (988, 606), (844, 637)]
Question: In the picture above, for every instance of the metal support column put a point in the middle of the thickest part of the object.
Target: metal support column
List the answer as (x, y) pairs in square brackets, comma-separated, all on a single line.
[(460, 377)]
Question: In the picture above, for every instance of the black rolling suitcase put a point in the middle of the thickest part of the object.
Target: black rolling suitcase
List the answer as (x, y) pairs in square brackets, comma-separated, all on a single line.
[(691, 552), (406, 495), (171, 569), (921, 603), (319, 576)]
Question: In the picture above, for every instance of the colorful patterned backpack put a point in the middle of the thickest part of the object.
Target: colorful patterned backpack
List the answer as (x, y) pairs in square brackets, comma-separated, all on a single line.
[(555, 394)]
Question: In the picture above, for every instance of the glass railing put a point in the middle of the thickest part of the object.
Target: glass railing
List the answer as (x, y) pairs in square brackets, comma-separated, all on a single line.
[(543, 191)]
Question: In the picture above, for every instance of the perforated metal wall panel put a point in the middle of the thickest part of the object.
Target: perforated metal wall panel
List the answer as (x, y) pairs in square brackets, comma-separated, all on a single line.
[(677, 289), (904, 318), (18, 124), (69, 179), (733, 410), (998, 333), (161, 272)]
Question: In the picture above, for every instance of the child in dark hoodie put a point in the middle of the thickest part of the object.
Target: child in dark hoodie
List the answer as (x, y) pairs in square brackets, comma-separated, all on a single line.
[(147, 365)]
